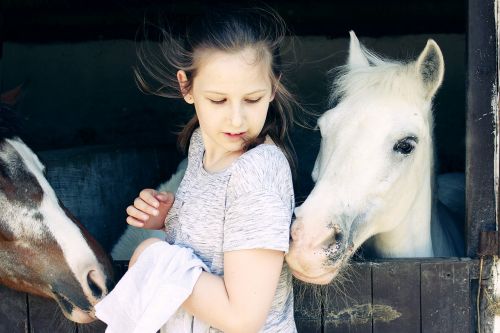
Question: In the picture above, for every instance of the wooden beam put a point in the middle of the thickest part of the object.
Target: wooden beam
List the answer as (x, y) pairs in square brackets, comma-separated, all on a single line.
[(481, 79)]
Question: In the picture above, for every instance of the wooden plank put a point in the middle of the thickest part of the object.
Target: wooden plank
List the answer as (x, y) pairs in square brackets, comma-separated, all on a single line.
[(348, 301), (396, 297), (45, 316), (444, 291), (13, 311), (308, 307)]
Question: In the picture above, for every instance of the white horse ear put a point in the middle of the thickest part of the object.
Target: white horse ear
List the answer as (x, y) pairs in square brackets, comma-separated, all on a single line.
[(430, 68), (357, 57)]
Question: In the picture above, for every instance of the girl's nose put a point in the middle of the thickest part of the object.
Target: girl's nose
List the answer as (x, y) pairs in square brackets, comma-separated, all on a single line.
[(237, 116)]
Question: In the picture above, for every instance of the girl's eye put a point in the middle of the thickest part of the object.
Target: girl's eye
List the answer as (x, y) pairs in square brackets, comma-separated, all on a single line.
[(253, 100), (220, 101)]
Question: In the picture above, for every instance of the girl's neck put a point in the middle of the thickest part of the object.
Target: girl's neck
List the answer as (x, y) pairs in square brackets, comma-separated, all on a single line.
[(213, 163)]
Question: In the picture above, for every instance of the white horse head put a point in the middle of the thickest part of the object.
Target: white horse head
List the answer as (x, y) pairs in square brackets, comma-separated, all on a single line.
[(373, 173)]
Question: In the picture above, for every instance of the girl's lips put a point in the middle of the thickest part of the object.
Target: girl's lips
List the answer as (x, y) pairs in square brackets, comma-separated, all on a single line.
[(235, 135)]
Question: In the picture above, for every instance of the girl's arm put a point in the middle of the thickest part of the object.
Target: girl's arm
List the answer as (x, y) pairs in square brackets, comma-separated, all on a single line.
[(240, 301)]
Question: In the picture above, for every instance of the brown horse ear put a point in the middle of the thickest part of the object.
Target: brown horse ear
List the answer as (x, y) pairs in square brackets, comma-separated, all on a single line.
[(10, 97)]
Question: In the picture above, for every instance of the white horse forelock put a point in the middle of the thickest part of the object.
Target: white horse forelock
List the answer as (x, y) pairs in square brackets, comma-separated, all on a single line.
[(383, 77)]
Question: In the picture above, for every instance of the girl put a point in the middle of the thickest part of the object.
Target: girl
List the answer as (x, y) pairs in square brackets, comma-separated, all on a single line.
[(235, 202)]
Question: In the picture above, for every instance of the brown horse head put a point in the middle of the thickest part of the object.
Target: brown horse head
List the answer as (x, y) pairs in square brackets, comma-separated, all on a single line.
[(44, 250)]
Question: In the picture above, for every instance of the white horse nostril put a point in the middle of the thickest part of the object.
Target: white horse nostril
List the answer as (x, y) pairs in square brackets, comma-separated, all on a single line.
[(337, 233)]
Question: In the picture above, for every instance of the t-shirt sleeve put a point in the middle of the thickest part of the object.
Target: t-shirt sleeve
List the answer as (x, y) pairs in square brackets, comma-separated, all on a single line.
[(257, 220)]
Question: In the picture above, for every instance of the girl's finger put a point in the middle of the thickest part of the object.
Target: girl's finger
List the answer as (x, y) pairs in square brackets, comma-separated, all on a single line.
[(166, 197), (148, 196), (133, 222), (145, 207), (137, 214)]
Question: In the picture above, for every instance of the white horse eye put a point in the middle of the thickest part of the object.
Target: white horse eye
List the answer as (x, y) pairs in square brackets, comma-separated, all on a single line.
[(405, 146)]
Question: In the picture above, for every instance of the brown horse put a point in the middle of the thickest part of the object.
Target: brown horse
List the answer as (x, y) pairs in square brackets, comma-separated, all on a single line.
[(44, 250)]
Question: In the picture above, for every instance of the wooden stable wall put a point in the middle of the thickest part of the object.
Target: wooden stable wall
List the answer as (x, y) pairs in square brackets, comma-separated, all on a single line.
[(410, 296), (404, 295)]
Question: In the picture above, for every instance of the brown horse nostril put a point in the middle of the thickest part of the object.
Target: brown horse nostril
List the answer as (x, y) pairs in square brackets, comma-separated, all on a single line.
[(97, 291)]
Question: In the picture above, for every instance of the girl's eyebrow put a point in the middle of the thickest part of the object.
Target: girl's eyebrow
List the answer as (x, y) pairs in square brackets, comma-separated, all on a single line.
[(220, 93)]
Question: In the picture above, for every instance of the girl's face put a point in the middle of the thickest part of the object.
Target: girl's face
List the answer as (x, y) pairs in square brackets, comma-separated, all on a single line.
[(231, 93)]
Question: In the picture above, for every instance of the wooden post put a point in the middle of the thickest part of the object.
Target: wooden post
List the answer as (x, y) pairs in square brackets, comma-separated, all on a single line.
[(2, 29), (496, 265), (482, 78)]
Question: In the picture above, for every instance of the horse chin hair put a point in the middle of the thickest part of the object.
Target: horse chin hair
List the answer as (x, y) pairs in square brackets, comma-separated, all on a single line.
[(310, 294), (316, 296), (342, 283)]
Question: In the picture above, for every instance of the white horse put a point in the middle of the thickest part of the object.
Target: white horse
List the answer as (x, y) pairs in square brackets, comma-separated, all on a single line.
[(374, 171)]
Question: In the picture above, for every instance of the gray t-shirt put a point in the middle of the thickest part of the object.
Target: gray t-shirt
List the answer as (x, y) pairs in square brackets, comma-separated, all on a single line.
[(249, 205)]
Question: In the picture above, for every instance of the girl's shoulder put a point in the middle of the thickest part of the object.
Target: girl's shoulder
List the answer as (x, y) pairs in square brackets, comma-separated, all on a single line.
[(196, 146), (264, 167), (264, 157)]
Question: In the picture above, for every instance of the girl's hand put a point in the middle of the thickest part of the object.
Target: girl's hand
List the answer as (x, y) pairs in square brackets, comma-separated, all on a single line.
[(150, 209)]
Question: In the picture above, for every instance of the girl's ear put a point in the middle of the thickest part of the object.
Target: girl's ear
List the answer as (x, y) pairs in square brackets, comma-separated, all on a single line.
[(183, 82), (273, 94)]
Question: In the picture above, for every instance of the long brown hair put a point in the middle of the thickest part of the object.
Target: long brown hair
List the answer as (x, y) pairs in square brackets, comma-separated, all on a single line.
[(228, 30)]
